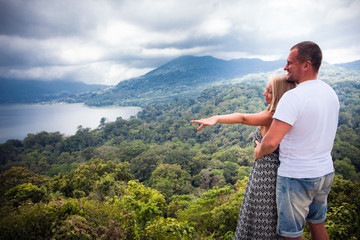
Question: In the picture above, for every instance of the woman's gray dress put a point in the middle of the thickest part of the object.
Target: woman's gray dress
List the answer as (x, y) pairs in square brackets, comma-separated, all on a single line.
[(258, 212)]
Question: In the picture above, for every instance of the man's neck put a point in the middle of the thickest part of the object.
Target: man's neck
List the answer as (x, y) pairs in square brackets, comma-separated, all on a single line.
[(308, 78)]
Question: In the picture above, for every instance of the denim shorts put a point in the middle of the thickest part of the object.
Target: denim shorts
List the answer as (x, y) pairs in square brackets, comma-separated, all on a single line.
[(300, 201)]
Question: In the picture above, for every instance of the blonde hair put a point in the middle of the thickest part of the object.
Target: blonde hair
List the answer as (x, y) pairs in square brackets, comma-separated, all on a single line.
[(279, 86)]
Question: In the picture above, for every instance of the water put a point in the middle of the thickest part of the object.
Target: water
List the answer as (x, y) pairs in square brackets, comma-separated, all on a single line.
[(17, 120)]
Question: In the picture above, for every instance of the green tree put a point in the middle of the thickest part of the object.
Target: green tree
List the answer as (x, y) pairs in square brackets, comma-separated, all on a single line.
[(145, 163), (243, 171), (147, 203), (24, 192), (130, 150), (198, 162), (345, 169), (17, 176), (231, 172), (215, 213), (169, 228), (343, 209), (87, 174), (171, 180), (178, 203), (343, 150), (226, 156)]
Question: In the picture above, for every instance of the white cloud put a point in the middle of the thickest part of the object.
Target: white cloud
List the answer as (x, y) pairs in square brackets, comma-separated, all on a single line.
[(108, 41), (342, 55), (215, 27), (121, 34), (75, 52)]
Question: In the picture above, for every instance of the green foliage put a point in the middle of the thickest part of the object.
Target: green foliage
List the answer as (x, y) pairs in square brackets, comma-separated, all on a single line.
[(93, 173), (10, 150), (243, 171), (169, 228), (226, 156), (344, 150), (171, 180), (343, 218), (230, 172), (24, 192), (343, 222), (72, 219), (32, 221), (17, 176), (345, 169), (144, 164), (75, 227), (177, 203), (215, 212), (146, 202), (129, 150), (185, 180)]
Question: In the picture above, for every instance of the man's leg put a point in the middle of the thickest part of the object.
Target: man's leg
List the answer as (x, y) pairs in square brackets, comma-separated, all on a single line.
[(292, 202), (318, 209), (318, 231), (298, 238)]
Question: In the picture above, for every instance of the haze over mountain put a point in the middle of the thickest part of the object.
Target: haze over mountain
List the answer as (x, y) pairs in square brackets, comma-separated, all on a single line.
[(183, 77), (186, 76), (350, 65), (33, 91)]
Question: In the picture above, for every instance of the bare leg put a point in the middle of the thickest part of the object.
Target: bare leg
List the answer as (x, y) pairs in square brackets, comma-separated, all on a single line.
[(318, 231), (298, 238)]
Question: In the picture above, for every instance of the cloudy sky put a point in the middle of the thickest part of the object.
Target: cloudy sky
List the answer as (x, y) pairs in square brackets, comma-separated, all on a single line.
[(106, 41)]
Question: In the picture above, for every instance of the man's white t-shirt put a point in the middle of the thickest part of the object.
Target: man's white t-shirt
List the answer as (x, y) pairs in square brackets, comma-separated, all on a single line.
[(312, 109)]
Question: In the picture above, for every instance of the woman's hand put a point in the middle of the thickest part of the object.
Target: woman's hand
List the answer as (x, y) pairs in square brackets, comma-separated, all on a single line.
[(206, 122)]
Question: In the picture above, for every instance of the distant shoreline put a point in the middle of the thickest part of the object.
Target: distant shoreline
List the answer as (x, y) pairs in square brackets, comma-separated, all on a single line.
[(17, 120)]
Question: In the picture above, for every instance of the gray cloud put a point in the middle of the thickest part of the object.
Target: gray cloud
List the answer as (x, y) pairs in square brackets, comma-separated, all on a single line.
[(109, 41)]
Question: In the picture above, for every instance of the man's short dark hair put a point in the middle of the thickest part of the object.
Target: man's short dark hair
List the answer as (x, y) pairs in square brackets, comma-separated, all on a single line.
[(308, 50)]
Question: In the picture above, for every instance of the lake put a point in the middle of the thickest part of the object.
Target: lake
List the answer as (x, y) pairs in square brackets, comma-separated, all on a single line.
[(17, 120)]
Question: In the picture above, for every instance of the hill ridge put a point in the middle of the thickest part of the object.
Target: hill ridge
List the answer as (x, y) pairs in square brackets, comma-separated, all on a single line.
[(181, 77)]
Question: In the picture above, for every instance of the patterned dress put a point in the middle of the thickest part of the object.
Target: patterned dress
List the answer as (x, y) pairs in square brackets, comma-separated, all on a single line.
[(258, 212)]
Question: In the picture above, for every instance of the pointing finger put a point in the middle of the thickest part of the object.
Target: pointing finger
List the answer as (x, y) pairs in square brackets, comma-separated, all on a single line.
[(201, 126)]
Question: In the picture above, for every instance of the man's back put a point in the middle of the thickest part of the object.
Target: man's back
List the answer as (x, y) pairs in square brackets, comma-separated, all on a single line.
[(312, 109)]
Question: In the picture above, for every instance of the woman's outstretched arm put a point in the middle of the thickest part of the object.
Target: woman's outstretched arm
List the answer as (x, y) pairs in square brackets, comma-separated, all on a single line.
[(263, 118)]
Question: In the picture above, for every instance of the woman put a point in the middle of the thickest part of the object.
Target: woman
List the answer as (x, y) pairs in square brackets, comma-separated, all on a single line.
[(258, 213)]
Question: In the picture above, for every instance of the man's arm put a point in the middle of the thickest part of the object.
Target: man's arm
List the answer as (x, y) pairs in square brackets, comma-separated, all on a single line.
[(272, 138)]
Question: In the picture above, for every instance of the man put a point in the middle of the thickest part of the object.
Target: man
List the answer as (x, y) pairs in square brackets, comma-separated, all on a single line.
[(304, 125)]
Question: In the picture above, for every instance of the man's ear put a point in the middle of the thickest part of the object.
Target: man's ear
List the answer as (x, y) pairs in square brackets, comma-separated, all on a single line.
[(307, 65)]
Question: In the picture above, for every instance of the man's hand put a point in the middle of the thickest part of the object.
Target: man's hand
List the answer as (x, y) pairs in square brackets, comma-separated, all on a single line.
[(257, 150), (272, 138)]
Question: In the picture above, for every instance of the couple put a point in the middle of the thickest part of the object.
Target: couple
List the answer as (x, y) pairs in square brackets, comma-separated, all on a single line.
[(293, 169)]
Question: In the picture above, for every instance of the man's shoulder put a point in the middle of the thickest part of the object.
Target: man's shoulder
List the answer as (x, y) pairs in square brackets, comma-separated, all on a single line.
[(311, 86), (292, 93)]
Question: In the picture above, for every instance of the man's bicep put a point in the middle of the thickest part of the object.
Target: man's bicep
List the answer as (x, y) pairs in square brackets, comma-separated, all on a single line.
[(277, 131)]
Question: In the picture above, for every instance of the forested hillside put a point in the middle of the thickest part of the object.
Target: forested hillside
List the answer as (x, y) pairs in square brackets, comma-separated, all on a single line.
[(351, 65), (183, 77), (156, 177)]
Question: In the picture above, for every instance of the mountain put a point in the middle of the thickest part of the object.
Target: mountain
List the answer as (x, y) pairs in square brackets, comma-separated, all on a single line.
[(350, 65), (182, 77), (32, 91)]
